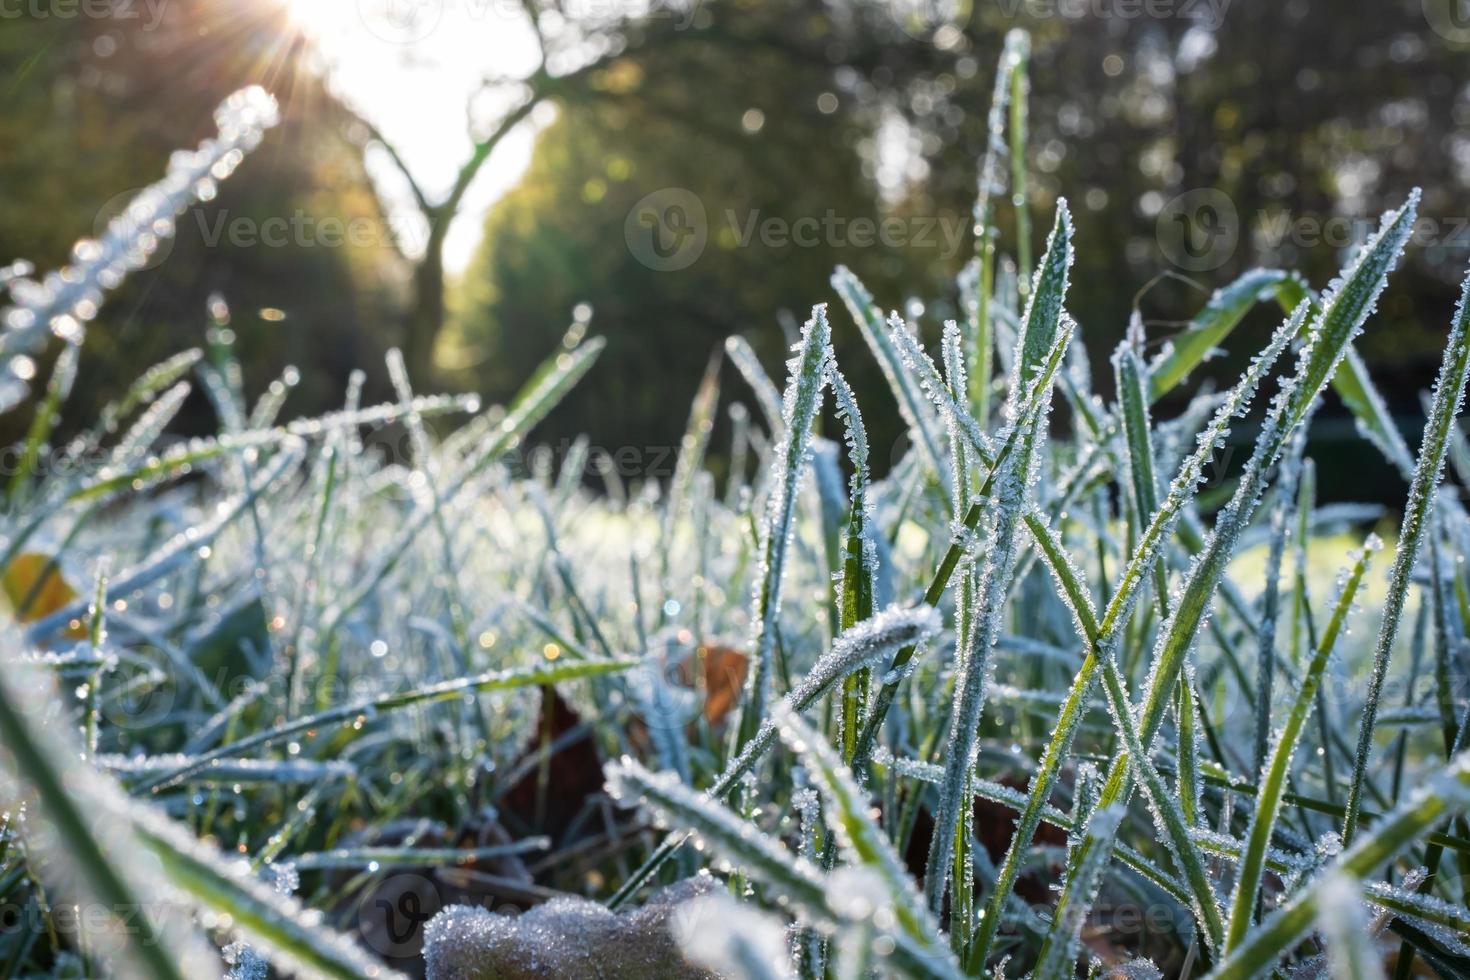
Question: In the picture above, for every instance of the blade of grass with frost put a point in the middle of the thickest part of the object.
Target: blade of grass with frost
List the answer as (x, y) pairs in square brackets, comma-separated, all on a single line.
[(1045, 332), (1287, 475), (185, 459), (1449, 394), (963, 455), (1041, 321), (911, 404), (90, 861), (733, 939), (142, 434), (1356, 389), (990, 184), (732, 840), (230, 771), (859, 556), (62, 299), (1134, 388), (945, 400), (1443, 795), (1061, 961), (268, 406), (1175, 502), (277, 925), (1346, 930), (959, 543), (141, 392), (58, 388), (1278, 765), (178, 549), (1012, 799), (423, 461), (1226, 308), (371, 708), (1350, 300), (1168, 814), (1348, 304), (846, 808), (741, 354), (1018, 48), (413, 857), (808, 375), (552, 381), (691, 458), (862, 646)]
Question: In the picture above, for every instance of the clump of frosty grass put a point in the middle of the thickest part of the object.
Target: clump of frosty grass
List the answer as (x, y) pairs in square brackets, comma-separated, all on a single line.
[(1012, 707)]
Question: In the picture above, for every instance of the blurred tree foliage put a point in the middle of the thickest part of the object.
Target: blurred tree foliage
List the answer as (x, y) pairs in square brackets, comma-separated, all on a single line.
[(1310, 116), (294, 241), (745, 138)]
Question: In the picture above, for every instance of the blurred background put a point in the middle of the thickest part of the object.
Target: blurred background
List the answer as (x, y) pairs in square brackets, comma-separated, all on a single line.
[(466, 178)]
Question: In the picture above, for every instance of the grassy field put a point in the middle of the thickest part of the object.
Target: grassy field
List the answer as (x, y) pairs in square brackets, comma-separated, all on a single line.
[(385, 692)]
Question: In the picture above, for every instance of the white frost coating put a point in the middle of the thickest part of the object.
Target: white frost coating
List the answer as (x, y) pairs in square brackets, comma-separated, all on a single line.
[(71, 296), (741, 354), (1344, 926), (733, 939), (733, 841), (864, 645), (245, 963), (852, 421), (807, 376), (851, 816), (566, 937), (1062, 955), (939, 394)]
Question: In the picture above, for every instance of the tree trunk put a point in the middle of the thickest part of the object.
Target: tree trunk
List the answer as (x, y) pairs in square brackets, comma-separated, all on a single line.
[(426, 313)]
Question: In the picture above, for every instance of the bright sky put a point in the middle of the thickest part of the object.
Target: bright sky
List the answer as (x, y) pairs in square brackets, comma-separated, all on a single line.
[(411, 66)]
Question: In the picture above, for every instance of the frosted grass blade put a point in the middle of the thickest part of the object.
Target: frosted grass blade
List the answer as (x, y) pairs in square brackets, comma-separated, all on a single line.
[(808, 375), (1449, 395), (1226, 308), (1278, 765), (1443, 796), (911, 405), (847, 810)]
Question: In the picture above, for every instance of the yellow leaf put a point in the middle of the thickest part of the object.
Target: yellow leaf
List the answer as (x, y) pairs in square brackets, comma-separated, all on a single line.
[(35, 587)]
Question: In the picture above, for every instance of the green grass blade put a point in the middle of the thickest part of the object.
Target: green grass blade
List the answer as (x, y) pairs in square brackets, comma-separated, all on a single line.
[(1209, 328), (1278, 764), (1442, 797), (371, 708), (911, 405), (808, 376), (847, 810), (1449, 394)]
